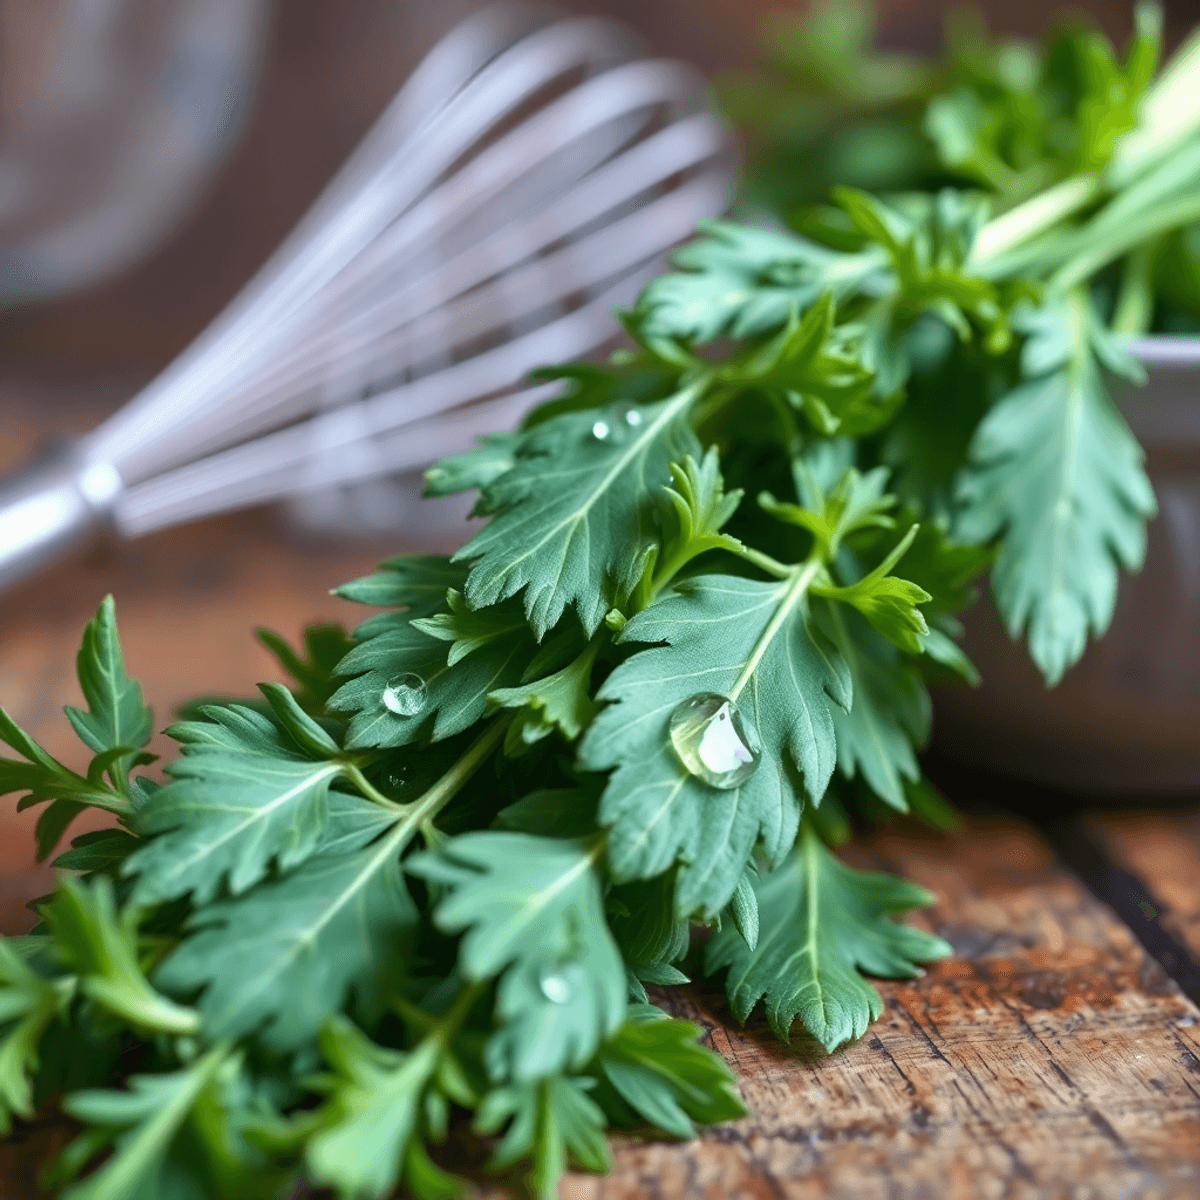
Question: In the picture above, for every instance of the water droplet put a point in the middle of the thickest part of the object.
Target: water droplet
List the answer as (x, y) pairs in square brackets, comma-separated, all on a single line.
[(633, 418), (714, 741), (398, 778), (404, 695), (555, 986), (601, 430)]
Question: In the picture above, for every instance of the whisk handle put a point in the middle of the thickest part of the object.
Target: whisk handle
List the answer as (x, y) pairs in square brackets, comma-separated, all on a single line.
[(58, 504)]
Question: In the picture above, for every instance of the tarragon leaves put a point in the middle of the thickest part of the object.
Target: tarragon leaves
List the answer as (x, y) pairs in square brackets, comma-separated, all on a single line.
[(1057, 473), (656, 1067), (534, 916), (823, 922), (28, 1003), (752, 642), (446, 672), (740, 281), (225, 817), (373, 1113), (284, 955), (576, 515), (117, 717)]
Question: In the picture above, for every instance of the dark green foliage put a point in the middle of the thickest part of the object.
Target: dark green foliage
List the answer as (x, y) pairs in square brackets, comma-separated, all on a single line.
[(823, 924), (437, 880)]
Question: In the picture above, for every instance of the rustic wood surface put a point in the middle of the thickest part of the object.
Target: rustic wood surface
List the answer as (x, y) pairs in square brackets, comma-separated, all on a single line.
[(1160, 847), (1050, 1058)]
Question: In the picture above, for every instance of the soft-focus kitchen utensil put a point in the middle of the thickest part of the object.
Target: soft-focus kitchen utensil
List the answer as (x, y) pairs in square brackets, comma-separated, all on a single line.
[(522, 185), (113, 115), (1127, 717)]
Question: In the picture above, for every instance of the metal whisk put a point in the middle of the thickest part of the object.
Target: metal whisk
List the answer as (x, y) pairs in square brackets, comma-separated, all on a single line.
[(522, 185)]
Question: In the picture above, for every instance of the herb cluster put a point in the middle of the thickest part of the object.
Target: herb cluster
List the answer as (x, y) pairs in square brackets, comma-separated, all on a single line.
[(431, 882)]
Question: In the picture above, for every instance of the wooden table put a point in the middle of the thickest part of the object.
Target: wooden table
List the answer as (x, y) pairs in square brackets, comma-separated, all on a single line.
[(1052, 1057)]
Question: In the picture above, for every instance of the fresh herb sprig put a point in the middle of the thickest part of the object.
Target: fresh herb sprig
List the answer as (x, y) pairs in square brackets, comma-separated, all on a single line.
[(431, 884)]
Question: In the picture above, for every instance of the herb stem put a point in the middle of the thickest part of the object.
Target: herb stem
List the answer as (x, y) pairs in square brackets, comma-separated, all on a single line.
[(764, 562), (368, 789), (97, 797), (802, 578), (1100, 252), (442, 792), (1035, 216)]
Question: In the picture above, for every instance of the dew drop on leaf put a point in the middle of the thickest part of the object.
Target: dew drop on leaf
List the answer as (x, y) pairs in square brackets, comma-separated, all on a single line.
[(601, 430), (398, 778), (405, 695), (714, 741), (633, 418), (555, 987)]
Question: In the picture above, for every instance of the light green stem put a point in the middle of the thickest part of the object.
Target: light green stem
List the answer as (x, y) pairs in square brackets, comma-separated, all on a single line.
[(442, 792), (765, 562), (802, 578), (1035, 216), (1102, 251), (368, 789)]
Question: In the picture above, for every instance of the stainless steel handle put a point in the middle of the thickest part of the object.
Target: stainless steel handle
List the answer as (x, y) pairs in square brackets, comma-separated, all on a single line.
[(60, 503)]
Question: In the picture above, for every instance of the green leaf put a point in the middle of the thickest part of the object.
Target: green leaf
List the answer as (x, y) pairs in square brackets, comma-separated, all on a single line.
[(372, 1114), (891, 709), (224, 819), (854, 503), (416, 583), (43, 778), (533, 915), (553, 812), (733, 637), (282, 957), (28, 1003), (888, 603), (548, 1122), (643, 920), (823, 923), (473, 469), (312, 738), (576, 514), (145, 1121), (101, 850), (468, 630), (814, 366), (940, 567), (101, 946), (559, 701), (738, 281), (1057, 475), (658, 1069), (743, 908), (455, 696), (701, 506), (235, 727), (324, 647), (626, 379), (117, 715)]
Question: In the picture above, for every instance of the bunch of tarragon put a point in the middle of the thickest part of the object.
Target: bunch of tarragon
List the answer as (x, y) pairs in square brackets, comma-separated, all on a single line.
[(426, 887)]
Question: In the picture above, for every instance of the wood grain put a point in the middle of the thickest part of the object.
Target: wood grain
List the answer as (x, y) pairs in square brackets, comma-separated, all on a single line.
[(1050, 1059), (1161, 848)]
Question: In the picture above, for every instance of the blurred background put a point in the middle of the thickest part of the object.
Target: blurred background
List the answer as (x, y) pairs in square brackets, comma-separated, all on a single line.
[(160, 156)]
